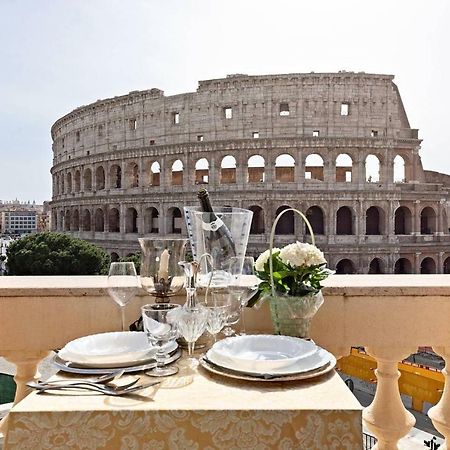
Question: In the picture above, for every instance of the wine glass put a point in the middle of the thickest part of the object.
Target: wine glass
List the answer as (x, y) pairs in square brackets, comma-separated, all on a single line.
[(244, 283), (217, 318), (123, 284), (160, 325)]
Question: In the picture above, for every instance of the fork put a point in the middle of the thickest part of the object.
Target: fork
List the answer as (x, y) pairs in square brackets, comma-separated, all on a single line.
[(68, 384), (102, 379)]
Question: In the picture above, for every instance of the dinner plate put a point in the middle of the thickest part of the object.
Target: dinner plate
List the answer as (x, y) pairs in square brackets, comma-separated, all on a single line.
[(213, 368), (261, 353), (312, 362), (67, 366)]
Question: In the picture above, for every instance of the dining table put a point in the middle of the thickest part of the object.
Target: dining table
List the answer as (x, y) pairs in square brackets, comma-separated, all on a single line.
[(195, 409)]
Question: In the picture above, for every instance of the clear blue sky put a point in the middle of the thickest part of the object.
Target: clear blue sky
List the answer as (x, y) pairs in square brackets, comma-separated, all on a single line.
[(57, 55)]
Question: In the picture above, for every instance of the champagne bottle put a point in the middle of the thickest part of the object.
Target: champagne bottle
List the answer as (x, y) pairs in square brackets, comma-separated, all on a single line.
[(219, 234)]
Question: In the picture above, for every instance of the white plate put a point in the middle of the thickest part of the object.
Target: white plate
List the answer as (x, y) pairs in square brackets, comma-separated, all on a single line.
[(261, 353), (116, 349), (66, 366), (316, 360)]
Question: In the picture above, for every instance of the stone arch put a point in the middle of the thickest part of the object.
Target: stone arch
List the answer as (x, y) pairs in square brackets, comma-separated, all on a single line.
[(428, 220), (75, 220), (286, 225), (99, 178), (314, 167), (427, 265), (374, 221), (376, 266), (228, 170), (402, 220), (256, 169), (132, 175), (69, 182), (345, 267), (344, 221), (177, 173), (285, 168), (257, 226), (402, 266), (77, 181), (446, 267), (155, 174), (99, 220), (151, 220), (344, 168), (86, 220), (131, 219), (114, 220), (315, 216), (202, 171), (372, 169), (63, 185), (175, 220), (115, 175), (399, 169), (67, 217), (114, 257), (87, 179)]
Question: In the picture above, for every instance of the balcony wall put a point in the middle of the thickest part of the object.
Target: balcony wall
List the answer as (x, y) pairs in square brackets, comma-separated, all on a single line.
[(391, 315)]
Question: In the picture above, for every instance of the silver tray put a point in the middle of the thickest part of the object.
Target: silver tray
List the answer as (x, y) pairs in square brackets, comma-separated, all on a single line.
[(66, 366)]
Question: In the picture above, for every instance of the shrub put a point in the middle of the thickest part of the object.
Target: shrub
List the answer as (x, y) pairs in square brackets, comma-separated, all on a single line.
[(55, 254), (134, 258)]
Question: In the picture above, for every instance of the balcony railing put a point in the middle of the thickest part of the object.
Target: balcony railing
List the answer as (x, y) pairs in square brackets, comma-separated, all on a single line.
[(390, 315)]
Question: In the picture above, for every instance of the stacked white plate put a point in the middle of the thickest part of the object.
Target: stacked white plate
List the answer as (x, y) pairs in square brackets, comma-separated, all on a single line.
[(268, 355), (110, 350)]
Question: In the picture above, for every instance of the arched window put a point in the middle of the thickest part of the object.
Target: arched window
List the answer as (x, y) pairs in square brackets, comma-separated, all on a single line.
[(286, 225), (344, 221), (76, 220), (255, 169), (257, 226), (155, 174), (116, 176), (202, 171), (285, 168), (372, 169), (87, 180), (151, 220), (345, 267), (132, 175), (314, 214), (402, 220), (67, 220), (177, 173), (100, 178), (86, 220), (114, 220), (314, 167), (344, 166), (69, 182), (446, 268), (427, 221), (114, 257), (77, 179), (99, 220), (131, 221), (63, 185), (374, 221), (228, 170), (399, 170), (376, 266), (175, 223), (402, 266), (427, 266)]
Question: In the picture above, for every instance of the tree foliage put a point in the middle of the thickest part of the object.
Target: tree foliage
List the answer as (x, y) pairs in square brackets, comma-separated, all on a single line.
[(55, 254), (134, 258)]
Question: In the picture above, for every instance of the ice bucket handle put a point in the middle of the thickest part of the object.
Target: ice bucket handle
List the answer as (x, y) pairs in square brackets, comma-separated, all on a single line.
[(272, 235)]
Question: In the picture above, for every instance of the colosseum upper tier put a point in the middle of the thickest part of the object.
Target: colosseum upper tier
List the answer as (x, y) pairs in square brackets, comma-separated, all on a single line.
[(337, 146)]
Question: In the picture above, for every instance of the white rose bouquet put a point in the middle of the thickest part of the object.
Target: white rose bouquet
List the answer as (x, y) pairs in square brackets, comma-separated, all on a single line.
[(298, 270)]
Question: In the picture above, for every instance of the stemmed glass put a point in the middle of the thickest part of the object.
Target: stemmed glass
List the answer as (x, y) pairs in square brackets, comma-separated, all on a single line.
[(160, 325), (244, 283), (123, 284), (217, 318)]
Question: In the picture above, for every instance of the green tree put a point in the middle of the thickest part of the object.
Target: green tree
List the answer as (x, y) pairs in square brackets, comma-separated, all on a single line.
[(55, 254), (134, 258)]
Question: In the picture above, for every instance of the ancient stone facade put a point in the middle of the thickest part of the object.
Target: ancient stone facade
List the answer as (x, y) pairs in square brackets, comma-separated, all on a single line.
[(337, 146)]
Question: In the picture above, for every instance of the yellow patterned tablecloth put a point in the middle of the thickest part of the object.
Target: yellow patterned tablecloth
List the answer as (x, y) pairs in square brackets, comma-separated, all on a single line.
[(194, 410)]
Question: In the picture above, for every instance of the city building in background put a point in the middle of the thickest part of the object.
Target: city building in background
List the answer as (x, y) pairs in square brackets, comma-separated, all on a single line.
[(337, 146), (17, 218)]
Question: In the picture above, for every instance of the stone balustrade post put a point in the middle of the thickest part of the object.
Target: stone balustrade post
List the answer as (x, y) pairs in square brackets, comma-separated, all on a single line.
[(386, 417)]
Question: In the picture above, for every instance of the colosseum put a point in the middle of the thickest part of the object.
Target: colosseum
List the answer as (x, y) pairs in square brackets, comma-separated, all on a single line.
[(337, 146)]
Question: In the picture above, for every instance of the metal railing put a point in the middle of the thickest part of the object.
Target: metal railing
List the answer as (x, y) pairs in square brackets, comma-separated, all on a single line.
[(368, 441)]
